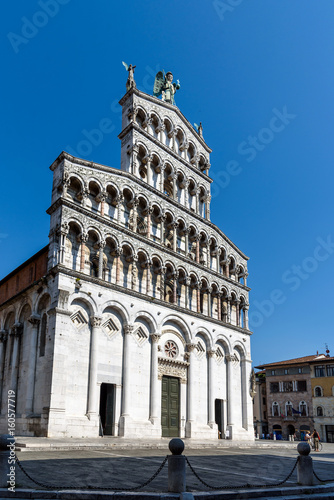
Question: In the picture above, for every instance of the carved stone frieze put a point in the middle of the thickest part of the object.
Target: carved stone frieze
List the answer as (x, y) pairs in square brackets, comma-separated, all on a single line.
[(172, 368)]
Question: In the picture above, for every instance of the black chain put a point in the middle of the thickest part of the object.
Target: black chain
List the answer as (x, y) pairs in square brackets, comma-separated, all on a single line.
[(109, 488), (247, 485), (322, 480)]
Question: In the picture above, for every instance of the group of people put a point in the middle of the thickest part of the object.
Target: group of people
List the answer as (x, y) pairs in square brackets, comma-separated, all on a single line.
[(316, 438)]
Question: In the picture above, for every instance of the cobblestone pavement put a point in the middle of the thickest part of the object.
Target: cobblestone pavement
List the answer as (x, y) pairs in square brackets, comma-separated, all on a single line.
[(129, 468)]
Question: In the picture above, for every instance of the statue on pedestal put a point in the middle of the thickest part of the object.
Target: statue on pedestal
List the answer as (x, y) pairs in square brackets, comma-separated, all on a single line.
[(130, 83), (164, 86)]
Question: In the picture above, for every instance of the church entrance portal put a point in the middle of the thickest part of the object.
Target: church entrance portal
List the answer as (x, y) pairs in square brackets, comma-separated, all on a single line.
[(170, 406), (107, 405)]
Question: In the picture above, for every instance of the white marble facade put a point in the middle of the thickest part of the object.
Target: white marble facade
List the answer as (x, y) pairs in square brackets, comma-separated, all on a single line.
[(141, 289)]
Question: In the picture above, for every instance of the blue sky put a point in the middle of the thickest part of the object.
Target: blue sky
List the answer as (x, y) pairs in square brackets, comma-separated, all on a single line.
[(258, 74)]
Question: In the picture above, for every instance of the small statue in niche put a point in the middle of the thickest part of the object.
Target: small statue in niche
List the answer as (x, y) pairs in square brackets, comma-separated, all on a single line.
[(164, 86), (130, 83)]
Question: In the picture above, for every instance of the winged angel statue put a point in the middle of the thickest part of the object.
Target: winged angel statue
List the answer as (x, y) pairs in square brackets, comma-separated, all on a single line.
[(164, 86), (130, 83)]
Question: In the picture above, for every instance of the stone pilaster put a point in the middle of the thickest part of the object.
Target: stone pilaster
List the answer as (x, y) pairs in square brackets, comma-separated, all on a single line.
[(92, 406)]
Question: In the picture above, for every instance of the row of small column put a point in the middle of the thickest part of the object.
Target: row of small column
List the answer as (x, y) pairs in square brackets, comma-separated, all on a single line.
[(84, 238), (14, 337), (92, 407), (172, 177)]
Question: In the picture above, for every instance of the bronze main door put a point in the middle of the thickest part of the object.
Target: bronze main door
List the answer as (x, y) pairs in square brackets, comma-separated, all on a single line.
[(170, 406)]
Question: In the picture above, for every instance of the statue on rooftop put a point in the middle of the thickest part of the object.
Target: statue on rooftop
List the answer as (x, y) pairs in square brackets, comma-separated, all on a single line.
[(199, 129), (130, 83), (164, 86)]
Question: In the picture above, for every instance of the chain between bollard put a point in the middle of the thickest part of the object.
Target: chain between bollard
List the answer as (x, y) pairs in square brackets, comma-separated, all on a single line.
[(247, 485), (322, 480), (101, 488)]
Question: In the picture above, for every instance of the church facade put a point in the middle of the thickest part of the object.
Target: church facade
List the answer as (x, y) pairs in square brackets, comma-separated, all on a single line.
[(133, 321)]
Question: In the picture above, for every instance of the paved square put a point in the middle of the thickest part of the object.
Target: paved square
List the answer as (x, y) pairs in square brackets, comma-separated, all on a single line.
[(128, 468)]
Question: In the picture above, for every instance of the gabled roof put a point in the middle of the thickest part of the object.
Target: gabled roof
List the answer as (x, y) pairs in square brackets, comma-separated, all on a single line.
[(296, 361)]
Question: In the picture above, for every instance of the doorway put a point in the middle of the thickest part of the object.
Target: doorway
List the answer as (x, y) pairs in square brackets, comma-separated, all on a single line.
[(219, 417), (107, 408), (170, 406)]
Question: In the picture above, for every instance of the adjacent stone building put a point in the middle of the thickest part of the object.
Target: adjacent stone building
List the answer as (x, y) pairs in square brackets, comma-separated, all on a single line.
[(133, 321), (291, 388), (322, 385), (260, 406)]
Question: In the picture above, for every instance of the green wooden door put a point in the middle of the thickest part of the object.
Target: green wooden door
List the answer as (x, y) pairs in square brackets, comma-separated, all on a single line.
[(170, 406)]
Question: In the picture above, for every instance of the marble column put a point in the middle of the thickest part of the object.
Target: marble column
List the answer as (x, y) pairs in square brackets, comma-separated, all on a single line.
[(119, 201), (207, 207), (174, 178), (162, 229), (190, 390), (237, 312), (175, 276), (230, 406), (92, 406), (126, 393), (186, 194), (219, 306), (154, 386), (162, 283), (228, 310), (83, 239), (198, 296), (101, 197), (149, 222), (63, 232), (34, 320), (148, 277), (246, 307), (210, 302), (162, 178), (198, 238), (186, 237), (175, 226), (211, 399), (16, 332), (102, 244), (118, 265), (186, 286)]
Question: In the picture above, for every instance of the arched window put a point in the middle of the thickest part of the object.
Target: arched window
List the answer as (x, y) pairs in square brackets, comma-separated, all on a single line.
[(317, 392), (320, 411), (275, 409), (303, 409), (288, 409)]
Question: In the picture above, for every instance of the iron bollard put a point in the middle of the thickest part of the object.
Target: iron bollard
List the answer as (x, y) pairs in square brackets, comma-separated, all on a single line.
[(304, 466), (6, 441), (176, 467)]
